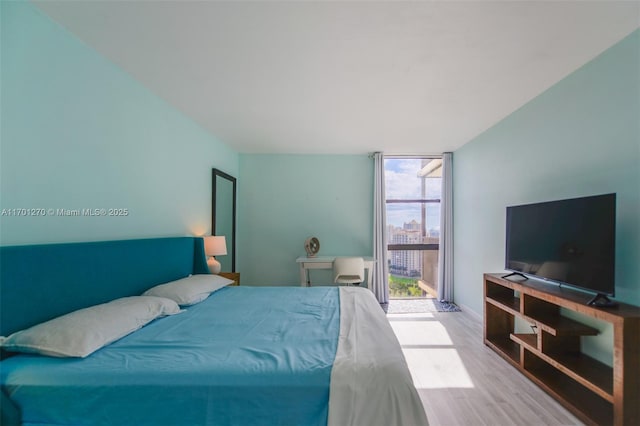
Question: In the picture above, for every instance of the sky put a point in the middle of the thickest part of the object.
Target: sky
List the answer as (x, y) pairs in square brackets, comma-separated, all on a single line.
[(402, 182)]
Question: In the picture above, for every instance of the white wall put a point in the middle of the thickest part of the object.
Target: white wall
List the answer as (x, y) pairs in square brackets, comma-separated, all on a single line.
[(581, 137), (284, 199), (79, 133)]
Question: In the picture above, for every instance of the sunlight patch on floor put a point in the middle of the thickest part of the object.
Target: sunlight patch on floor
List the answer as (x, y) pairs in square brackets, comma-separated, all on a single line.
[(431, 356), (419, 329), (436, 368)]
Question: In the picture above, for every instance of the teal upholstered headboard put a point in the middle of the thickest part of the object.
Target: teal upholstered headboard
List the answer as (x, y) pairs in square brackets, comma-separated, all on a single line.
[(40, 282)]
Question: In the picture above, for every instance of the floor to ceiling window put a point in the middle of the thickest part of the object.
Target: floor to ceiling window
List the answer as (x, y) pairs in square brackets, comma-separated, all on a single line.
[(413, 188)]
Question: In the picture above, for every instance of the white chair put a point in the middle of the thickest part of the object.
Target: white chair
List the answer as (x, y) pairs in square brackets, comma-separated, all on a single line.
[(348, 270)]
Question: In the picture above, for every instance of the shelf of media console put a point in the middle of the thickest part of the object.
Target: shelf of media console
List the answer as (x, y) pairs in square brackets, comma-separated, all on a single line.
[(550, 355)]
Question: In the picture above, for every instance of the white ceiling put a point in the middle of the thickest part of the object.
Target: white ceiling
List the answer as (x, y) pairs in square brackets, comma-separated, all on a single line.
[(347, 77)]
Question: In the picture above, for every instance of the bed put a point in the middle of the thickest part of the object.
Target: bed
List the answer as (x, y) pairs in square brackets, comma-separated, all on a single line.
[(244, 355)]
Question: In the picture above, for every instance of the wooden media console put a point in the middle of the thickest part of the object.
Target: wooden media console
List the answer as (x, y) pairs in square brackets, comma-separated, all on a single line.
[(550, 353)]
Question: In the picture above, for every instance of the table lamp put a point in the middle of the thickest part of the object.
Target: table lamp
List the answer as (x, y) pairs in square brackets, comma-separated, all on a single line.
[(214, 246)]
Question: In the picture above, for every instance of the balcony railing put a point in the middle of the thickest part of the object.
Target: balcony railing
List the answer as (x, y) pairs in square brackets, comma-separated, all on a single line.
[(418, 275)]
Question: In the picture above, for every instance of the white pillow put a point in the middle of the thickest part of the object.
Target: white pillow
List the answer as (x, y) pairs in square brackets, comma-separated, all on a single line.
[(190, 290), (82, 332)]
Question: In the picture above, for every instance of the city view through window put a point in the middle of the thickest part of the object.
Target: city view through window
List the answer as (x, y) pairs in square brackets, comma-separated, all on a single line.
[(413, 188)]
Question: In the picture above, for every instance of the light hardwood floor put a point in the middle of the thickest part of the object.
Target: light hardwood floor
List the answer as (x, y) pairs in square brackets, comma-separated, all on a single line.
[(462, 382)]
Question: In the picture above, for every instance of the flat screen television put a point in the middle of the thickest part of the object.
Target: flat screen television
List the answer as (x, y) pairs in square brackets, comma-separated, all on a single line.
[(568, 242)]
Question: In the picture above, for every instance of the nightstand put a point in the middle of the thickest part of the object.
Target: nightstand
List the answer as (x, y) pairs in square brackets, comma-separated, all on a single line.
[(235, 276)]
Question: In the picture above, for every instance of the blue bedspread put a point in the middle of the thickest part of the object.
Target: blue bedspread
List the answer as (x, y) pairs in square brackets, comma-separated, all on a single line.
[(244, 356)]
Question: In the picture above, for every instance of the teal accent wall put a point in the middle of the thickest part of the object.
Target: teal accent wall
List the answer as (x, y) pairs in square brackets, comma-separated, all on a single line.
[(580, 137), (79, 133), (283, 199)]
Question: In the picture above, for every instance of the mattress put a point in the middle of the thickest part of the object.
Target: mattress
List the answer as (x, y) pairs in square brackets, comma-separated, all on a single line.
[(245, 355)]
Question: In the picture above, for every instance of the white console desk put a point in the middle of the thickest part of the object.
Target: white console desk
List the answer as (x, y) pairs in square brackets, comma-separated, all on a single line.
[(326, 262)]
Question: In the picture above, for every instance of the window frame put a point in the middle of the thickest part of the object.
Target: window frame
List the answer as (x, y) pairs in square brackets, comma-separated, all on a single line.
[(420, 201)]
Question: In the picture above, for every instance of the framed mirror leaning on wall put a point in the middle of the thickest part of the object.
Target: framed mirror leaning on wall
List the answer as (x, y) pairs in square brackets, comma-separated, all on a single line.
[(223, 215)]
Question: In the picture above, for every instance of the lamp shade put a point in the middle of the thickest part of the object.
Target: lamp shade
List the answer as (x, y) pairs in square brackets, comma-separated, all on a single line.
[(215, 245)]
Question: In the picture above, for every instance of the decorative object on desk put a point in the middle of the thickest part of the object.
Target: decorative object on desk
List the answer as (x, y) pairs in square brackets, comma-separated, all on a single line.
[(214, 246), (312, 246)]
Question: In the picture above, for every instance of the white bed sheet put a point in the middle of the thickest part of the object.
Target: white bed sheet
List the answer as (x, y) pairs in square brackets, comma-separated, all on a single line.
[(370, 380)]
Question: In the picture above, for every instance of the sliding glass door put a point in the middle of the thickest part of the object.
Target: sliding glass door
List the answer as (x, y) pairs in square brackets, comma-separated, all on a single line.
[(413, 188)]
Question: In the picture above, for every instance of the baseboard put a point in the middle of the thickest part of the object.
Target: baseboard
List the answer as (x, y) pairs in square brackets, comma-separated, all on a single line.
[(471, 312)]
